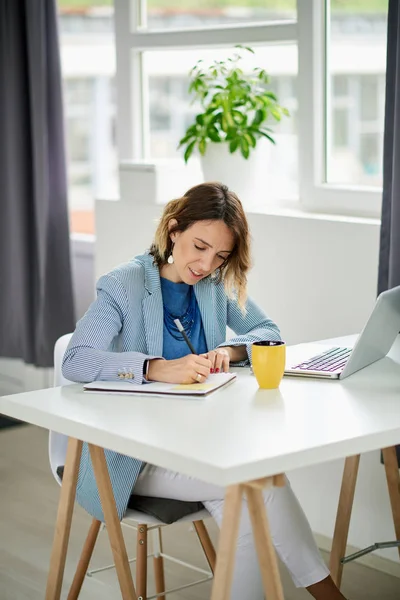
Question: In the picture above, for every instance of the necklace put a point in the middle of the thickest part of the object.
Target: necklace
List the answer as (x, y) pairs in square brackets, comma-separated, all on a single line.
[(187, 318)]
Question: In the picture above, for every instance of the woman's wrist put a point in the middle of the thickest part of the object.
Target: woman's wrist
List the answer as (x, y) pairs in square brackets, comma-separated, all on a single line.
[(153, 369), (236, 353)]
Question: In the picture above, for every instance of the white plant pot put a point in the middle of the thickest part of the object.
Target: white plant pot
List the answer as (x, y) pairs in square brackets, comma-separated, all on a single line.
[(244, 177)]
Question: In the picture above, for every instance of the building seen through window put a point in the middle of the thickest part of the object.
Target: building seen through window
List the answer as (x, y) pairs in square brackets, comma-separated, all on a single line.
[(356, 95)]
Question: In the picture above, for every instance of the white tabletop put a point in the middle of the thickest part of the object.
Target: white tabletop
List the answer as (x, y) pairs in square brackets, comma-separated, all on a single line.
[(240, 432)]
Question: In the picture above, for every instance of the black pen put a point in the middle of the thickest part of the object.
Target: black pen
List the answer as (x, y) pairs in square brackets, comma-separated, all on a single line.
[(184, 334)]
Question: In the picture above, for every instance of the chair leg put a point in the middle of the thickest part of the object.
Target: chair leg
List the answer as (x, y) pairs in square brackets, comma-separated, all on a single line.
[(141, 562), (206, 543), (393, 482), (343, 516), (158, 563), (84, 560)]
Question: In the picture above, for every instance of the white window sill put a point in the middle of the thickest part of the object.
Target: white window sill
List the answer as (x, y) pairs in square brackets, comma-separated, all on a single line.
[(83, 243), (292, 209)]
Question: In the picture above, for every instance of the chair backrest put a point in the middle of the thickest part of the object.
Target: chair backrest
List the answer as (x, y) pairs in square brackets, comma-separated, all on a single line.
[(58, 441), (59, 351)]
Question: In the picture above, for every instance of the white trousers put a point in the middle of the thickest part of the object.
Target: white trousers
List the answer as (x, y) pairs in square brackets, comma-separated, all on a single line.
[(290, 530)]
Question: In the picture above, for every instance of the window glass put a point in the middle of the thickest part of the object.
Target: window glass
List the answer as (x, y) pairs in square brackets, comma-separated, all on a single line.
[(183, 14), (356, 104), (88, 68)]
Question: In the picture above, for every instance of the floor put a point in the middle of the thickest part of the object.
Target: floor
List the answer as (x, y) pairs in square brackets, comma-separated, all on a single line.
[(28, 504)]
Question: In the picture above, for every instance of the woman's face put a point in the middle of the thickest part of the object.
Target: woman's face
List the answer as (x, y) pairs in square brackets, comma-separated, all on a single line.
[(198, 251)]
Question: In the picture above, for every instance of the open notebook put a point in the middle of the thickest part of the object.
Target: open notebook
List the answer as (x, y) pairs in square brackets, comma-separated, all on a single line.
[(213, 382)]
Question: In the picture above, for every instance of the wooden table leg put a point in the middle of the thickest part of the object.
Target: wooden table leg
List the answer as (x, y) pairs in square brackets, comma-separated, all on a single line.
[(64, 518), (266, 553), (393, 482), (112, 522), (343, 516), (222, 582)]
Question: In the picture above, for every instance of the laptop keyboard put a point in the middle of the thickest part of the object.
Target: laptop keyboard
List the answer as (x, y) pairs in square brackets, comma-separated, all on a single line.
[(329, 361)]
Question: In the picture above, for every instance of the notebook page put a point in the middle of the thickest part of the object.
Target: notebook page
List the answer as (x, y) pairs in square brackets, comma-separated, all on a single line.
[(213, 382)]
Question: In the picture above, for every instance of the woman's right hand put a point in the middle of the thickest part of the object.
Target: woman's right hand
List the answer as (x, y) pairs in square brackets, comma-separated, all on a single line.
[(188, 369)]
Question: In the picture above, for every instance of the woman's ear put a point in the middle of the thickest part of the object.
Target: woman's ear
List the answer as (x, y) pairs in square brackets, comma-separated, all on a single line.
[(171, 225)]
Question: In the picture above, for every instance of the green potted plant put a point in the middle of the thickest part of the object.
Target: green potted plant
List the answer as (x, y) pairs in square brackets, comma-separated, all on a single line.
[(236, 108)]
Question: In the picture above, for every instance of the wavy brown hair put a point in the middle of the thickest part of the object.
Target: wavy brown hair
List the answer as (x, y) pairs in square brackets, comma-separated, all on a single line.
[(210, 201)]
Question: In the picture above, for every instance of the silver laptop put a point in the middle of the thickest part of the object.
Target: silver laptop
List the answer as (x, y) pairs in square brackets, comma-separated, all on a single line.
[(373, 343)]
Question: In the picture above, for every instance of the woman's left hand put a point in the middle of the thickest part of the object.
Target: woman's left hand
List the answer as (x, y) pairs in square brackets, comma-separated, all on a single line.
[(219, 359)]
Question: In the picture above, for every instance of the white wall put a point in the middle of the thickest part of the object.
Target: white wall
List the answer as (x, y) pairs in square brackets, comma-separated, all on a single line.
[(83, 277), (316, 276)]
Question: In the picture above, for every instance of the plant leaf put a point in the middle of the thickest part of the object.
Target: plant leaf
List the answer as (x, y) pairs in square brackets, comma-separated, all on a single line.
[(245, 48), (244, 148), (185, 139), (263, 133), (251, 139), (189, 151), (276, 114), (259, 117), (200, 119), (213, 134), (191, 129), (233, 144), (239, 117), (231, 133), (202, 146), (217, 117)]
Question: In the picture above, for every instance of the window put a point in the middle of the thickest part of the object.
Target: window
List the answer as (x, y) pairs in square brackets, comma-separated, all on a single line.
[(356, 65), (165, 40), (327, 63), (88, 69)]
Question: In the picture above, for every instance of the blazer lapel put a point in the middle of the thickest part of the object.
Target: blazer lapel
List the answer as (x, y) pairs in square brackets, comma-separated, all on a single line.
[(153, 322), (152, 306), (204, 292)]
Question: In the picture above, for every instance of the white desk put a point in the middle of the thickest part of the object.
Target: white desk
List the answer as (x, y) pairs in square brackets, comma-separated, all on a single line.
[(239, 434)]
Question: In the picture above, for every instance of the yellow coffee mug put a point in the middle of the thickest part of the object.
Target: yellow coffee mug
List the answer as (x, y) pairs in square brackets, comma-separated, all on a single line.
[(268, 358)]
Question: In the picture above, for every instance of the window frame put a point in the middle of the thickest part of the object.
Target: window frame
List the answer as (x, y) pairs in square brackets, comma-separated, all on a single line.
[(315, 194), (310, 32)]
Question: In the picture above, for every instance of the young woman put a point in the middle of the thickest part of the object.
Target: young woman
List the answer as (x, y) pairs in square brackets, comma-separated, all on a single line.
[(196, 270)]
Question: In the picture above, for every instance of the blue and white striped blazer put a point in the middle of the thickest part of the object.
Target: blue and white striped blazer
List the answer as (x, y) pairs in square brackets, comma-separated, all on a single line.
[(122, 328)]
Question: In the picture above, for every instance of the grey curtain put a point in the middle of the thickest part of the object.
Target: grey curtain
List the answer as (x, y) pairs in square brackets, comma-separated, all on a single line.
[(389, 256), (36, 305)]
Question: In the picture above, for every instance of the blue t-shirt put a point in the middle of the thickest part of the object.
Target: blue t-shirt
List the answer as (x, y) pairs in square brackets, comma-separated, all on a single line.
[(179, 302)]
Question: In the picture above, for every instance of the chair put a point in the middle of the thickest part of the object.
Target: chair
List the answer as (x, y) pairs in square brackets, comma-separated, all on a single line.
[(139, 521)]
